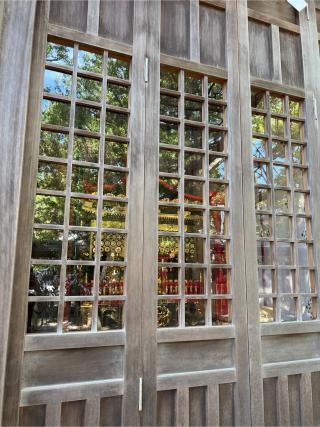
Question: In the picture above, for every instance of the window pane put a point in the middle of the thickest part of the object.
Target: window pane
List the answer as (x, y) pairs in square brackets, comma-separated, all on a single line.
[(116, 153), (283, 227), (193, 221), (276, 104), (52, 176), (168, 190), (264, 253), (261, 173), (47, 244), (44, 280), (296, 130), (195, 281), (110, 315), (267, 309), (263, 226), (285, 281), (193, 137), (168, 314), (277, 127), (169, 133), (215, 90), (168, 249), (59, 54), (89, 61), (282, 201), (169, 106), (294, 108), (169, 80), (111, 280), (217, 194), (287, 309), (83, 212), (284, 253), (259, 148), (81, 245), (216, 140), (114, 214), (88, 89), (117, 95), (53, 144), (168, 281), (220, 281), (87, 119), (216, 115), (57, 83), (168, 219), (221, 312), (118, 68), (216, 167), (49, 209), (84, 180), (193, 250), (258, 123), (115, 184), (86, 149), (116, 124), (55, 113), (193, 85), (77, 316), (193, 110), (195, 311), (42, 317), (262, 197), (193, 192), (79, 280), (218, 251), (113, 247), (279, 151), (169, 161), (257, 100), (265, 278), (193, 164), (218, 220)]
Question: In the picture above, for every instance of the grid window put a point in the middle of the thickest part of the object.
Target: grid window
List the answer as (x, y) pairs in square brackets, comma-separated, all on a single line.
[(78, 265), (283, 220), (193, 243)]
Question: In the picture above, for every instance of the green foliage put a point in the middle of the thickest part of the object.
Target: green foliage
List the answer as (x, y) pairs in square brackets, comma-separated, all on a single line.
[(87, 118), (90, 61), (53, 144), (55, 112), (88, 89), (117, 95), (116, 153), (116, 124), (169, 80), (52, 176), (49, 209), (169, 133), (59, 54), (118, 68)]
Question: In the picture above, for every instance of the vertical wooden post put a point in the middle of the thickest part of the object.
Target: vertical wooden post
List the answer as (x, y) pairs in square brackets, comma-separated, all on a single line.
[(194, 31)]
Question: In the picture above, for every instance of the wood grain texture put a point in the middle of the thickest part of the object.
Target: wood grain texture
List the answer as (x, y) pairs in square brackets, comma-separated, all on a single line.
[(71, 14), (182, 407), (270, 401), (306, 397), (32, 416), (261, 61), (212, 402), (116, 20), (283, 401), (276, 53), (110, 411), (93, 17), (276, 8), (291, 59), (166, 408)]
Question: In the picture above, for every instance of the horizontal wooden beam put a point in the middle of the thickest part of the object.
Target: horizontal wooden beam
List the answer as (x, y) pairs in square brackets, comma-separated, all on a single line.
[(195, 334)]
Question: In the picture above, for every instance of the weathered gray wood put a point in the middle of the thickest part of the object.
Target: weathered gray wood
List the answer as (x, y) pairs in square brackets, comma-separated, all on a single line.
[(283, 401), (110, 411), (199, 334), (291, 59), (306, 400), (194, 31), (213, 405), (277, 8), (197, 406), (72, 14), (14, 146), (270, 401), (260, 50), (32, 416), (93, 17), (116, 20), (294, 400), (291, 367), (72, 413), (53, 414), (166, 408), (92, 411), (276, 54), (226, 405), (290, 328), (182, 407)]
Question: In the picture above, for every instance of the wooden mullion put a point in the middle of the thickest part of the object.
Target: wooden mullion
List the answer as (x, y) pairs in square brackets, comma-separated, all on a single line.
[(182, 246)]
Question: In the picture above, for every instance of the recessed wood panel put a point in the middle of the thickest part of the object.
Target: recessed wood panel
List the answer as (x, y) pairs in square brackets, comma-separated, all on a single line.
[(260, 50), (72, 413), (226, 405), (175, 31), (291, 59), (294, 400), (270, 401), (116, 20), (63, 366), (315, 381), (110, 411), (195, 356), (197, 406), (32, 416), (166, 408), (277, 8), (318, 19), (212, 36), (71, 14)]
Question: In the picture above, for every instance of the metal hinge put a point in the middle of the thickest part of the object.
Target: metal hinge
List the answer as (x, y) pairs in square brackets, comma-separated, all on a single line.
[(140, 394), (146, 69), (315, 111)]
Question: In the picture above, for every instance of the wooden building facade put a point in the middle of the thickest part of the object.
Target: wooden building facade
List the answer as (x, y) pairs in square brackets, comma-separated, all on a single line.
[(160, 183)]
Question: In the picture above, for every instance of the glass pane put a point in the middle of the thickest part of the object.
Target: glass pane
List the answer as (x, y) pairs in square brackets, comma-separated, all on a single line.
[(59, 54), (169, 80), (259, 148), (42, 317), (168, 219), (279, 151), (193, 110), (195, 311), (118, 68), (264, 252), (49, 209), (299, 177), (113, 247), (87, 119), (303, 255), (276, 104), (257, 100), (89, 61), (263, 226), (84, 180), (193, 137), (111, 280), (217, 194), (53, 144), (169, 161), (86, 149), (193, 85), (117, 95), (285, 281), (294, 108), (283, 227), (265, 278), (77, 316), (267, 310), (55, 113), (116, 153), (215, 90), (47, 244), (261, 173), (88, 89), (193, 221), (262, 197), (216, 115), (114, 214), (297, 154), (220, 281), (284, 253), (194, 281), (44, 280), (282, 201), (216, 140), (218, 251), (216, 167), (52, 176), (280, 176), (115, 184), (169, 106), (169, 133), (301, 228), (193, 164), (116, 124), (308, 308), (287, 309), (168, 313), (168, 190), (258, 123), (79, 280), (168, 281), (168, 249), (300, 202), (57, 83), (193, 192), (296, 130), (193, 250), (221, 311), (83, 212), (218, 220), (277, 126), (81, 245), (306, 280), (110, 315)]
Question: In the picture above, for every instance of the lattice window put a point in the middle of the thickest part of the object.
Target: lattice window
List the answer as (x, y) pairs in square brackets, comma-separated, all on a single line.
[(283, 220), (78, 266), (193, 230)]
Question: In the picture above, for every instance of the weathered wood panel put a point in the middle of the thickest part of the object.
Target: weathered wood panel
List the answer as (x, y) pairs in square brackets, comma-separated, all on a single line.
[(212, 36), (32, 416), (71, 14), (226, 405), (175, 27), (110, 411), (278, 8), (270, 401), (291, 59), (72, 413), (116, 20), (315, 382), (197, 406), (294, 400), (261, 63), (166, 408)]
